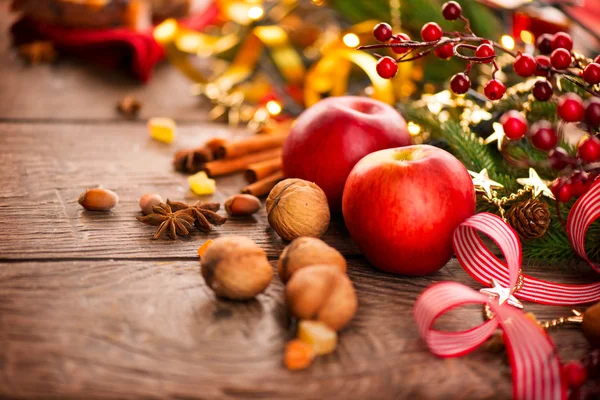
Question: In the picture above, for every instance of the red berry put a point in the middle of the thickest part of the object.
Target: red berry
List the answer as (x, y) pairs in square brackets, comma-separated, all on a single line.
[(556, 186), (570, 108), (597, 60), (564, 193), (591, 73), (382, 32), (451, 10), (592, 112), (562, 40), (589, 149), (543, 63), (580, 183), (543, 136), (574, 373), (559, 158), (431, 32), (514, 124), (485, 51), (445, 52), (525, 65), (387, 67), (544, 43), (542, 90), (399, 38), (494, 89), (460, 83), (560, 58)]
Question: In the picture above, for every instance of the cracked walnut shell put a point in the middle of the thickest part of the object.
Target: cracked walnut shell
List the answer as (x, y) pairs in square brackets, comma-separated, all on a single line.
[(234, 267), (306, 251), (296, 207), (323, 293)]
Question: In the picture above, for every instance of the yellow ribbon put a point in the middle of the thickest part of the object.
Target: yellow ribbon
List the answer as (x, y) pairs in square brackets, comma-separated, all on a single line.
[(327, 76)]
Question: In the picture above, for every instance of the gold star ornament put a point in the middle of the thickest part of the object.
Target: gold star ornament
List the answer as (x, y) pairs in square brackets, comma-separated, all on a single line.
[(498, 135), (538, 185), (483, 183)]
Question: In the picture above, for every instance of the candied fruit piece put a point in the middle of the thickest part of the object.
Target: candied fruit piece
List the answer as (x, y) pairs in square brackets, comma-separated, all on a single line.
[(298, 355), (201, 184), (322, 338), (202, 249), (162, 129)]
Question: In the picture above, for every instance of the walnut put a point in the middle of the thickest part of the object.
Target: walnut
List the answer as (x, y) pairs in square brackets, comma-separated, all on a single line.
[(234, 267), (306, 251), (296, 207), (324, 293)]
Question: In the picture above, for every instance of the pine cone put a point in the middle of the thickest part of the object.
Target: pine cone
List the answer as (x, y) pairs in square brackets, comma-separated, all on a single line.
[(530, 218)]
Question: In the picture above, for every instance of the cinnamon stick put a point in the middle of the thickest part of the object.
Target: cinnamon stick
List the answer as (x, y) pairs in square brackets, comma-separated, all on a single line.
[(259, 170), (227, 166), (263, 186), (215, 143), (253, 144), (192, 160)]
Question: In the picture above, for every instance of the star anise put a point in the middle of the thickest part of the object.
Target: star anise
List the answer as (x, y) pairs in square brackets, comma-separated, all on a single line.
[(204, 214), (174, 222)]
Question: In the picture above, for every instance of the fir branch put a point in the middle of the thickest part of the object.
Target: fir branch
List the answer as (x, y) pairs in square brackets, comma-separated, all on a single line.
[(542, 110)]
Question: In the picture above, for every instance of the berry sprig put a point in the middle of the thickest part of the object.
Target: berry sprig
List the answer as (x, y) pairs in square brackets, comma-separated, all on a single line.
[(445, 45)]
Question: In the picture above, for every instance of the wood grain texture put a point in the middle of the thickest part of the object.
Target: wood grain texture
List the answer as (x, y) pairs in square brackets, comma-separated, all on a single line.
[(137, 329), (47, 166)]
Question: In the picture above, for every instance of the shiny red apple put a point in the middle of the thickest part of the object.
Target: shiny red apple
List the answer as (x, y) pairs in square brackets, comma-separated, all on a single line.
[(401, 207), (329, 138)]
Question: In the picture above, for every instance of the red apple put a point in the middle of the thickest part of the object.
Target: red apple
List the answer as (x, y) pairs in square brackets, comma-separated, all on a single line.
[(329, 138), (402, 206)]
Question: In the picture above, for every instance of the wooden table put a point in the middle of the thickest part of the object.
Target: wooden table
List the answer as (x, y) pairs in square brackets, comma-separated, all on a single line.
[(91, 307)]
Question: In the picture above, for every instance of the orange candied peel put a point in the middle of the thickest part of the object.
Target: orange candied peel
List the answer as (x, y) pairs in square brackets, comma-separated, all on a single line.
[(298, 355), (202, 249)]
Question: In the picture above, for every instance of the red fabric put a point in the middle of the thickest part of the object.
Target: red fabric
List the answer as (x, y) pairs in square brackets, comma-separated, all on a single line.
[(114, 48)]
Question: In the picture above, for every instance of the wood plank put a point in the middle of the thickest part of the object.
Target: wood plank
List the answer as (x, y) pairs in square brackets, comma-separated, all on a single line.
[(47, 166), (72, 90), (136, 329)]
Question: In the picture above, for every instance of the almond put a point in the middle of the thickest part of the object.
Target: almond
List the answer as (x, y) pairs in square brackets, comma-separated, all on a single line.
[(98, 199)]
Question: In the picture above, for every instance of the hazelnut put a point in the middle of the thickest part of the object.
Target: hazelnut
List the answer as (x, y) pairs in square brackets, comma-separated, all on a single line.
[(234, 267), (306, 251), (323, 293), (242, 204), (296, 207), (98, 199), (148, 201)]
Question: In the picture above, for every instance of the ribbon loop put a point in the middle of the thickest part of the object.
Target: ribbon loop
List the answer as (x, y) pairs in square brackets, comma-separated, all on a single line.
[(484, 266), (583, 213), (535, 365)]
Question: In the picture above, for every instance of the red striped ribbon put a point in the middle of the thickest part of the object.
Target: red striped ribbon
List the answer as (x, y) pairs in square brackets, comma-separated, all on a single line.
[(534, 362), (483, 265)]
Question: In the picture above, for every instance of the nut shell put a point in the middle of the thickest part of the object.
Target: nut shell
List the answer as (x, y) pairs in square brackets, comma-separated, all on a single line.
[(323, 293), (591, 325), (296, 208), (307, 251), (98, 199), (242, 205), (148, 201), (234, 267)]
